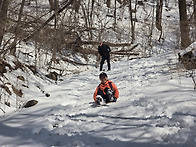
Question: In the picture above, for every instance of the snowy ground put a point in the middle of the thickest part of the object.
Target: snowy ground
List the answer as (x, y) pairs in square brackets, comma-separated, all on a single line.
[(156, 108)]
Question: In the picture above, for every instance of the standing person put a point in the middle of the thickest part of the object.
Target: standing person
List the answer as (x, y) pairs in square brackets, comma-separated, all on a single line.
[(106, 90), (104, 50)]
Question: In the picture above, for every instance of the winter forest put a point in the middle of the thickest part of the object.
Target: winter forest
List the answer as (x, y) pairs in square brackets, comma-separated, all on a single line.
[(49, 70)]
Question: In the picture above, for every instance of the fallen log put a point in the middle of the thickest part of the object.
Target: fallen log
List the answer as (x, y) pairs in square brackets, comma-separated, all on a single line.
[(108, 43), (124, 53), (73, 62)]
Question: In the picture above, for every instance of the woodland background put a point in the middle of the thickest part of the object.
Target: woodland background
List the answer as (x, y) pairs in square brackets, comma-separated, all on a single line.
[(62, 31)]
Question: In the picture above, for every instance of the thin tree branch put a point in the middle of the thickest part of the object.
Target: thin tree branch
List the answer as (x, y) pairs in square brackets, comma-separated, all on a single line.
[(49, 20)]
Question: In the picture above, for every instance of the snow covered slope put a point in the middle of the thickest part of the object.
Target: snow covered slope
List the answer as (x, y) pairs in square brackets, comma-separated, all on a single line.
[(156, 108)]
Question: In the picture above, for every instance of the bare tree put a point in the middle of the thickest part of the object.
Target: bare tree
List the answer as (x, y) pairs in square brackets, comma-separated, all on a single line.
[(17, 31), (91, 22), (3, 17), (115, 13), (51, 2), (88, 12), (48, 20), (92, 9), (159, 8), (184, 24), (132, 23), (1, 1), (194, 3), (76, 5), (108, 2)]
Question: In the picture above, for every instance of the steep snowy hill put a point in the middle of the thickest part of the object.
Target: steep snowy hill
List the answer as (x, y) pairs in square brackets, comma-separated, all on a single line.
[(156, 108)]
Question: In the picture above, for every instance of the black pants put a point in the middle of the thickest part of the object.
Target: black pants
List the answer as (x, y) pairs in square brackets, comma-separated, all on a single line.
[(106, 97), (103, 60)]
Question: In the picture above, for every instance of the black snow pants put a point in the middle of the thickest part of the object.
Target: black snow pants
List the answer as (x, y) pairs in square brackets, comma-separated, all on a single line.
[(109, 94), (103, 60)]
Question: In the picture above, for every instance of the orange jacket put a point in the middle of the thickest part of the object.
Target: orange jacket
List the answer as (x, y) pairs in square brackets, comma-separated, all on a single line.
[(103, 86)]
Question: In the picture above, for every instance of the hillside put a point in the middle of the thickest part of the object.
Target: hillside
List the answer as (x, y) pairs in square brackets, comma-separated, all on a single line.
[(156, 108)]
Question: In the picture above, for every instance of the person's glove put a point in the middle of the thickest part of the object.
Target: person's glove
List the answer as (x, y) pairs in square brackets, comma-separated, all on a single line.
[(114, 99), (110, 92)]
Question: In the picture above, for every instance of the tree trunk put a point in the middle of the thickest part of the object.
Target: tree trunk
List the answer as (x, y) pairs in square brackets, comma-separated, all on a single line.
[(108, 2), (1, 1), (55, 48), (184, 24), (3, 17), (51, 5), (115, 14), (194, 2), (159, 8), (91, 18), (76, 6), (92, 9), (132, 24), (17, 31)]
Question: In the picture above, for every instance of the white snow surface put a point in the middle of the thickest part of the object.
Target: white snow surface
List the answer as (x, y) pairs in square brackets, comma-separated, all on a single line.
[(156, 108)]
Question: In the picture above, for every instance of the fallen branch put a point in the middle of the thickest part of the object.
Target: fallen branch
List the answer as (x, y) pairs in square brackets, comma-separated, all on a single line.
[(2, 110), (120, 51), (73, 62), (123, 53), (108, 43)]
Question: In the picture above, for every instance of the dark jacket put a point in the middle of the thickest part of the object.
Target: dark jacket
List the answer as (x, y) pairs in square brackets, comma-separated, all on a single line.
[(104, 50)]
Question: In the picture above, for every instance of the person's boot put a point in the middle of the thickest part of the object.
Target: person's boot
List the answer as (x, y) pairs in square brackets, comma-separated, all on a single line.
[(99, 100)]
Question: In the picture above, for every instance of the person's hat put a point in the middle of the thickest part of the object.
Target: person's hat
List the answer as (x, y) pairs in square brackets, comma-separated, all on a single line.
[(103, 74)]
